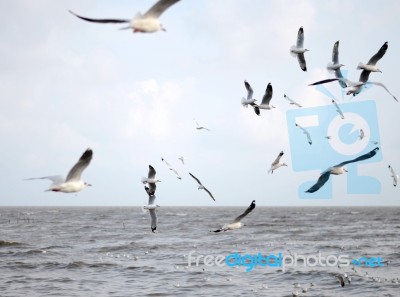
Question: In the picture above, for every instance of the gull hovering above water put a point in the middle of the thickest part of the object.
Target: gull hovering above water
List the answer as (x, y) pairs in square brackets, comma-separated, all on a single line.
[(339, 111), (299, 50), (144, 23), (371, 65), (393, 175), (306, 133), (151, 179), (73, 181), (276, 164), (292, 101), (339, 169), (237, 224), (201, 187), (171, 168), (151, 207)]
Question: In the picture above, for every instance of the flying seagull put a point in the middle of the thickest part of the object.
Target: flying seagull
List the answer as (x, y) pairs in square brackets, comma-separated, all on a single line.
[(144, 23), (393, 175), (201, 187), (182, 160), (306, 133), (151, 180), (151, 207), (371, 65), (298, 49), (339, 169), (198, 127), (339, 111), (353, 87), (292, 101), (335, 65), (249, 100), (265, 100), (73, 181), (171, 168), (361, 136), (276, 164), (237, 224)]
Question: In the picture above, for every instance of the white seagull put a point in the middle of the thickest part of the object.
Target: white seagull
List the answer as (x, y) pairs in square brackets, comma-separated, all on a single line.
[(201, 187), (393, 175), (151, 179), (144, 23), (198, 127), (265, 100), (237, 224), (338, 169), (371, 65), (151, 207), (249, 100), (335, 65), (73, 181), (292, 101), (306, 133), (299, 50), (339, 111), (171, 168), (276, 164)]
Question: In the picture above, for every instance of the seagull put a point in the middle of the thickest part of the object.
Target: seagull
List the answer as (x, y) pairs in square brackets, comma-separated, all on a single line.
[(338, 169), (306, 133), (292, 101), (73, 181), (340, 279), (237, 224), (276, 164), (265, 100), (151, 179), (298, 49), (371, 65), (198, 127), (250, 100), (171, 168), (339, 111), (353, 87), (182, 160), (393, 175), (144, 23), (361, 136), (201, 187), (335, 65), (151, 207)]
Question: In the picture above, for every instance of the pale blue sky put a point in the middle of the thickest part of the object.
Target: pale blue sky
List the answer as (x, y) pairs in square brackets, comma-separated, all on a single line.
[(66, 85)]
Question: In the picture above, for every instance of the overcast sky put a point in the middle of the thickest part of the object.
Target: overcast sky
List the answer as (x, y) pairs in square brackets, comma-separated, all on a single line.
[(66, 85)]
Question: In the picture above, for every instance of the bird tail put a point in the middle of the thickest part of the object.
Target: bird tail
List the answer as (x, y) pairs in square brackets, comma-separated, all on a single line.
[(293, 54), (329, 67), (360, 66), (144, 180), (244, 102)]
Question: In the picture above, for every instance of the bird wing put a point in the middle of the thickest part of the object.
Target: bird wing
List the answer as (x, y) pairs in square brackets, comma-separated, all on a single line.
[(56, 179), (323, 178), (300, 38), (335, 53), (277, 158), (268, 95), (182, 160), (302, 62), (360, 158), (209, 193), (104, 21), (152, 172), (198, 181), (364, 76), (375, 58), (249, 90), (256, 110), (361, 133), (338, 109), (383, 86), (291, 101), (152, 198), (169, 165), (76, 171), (341, 79), (246, 212), (152, 188), (306, 133), (157, 9), (153, 217)]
